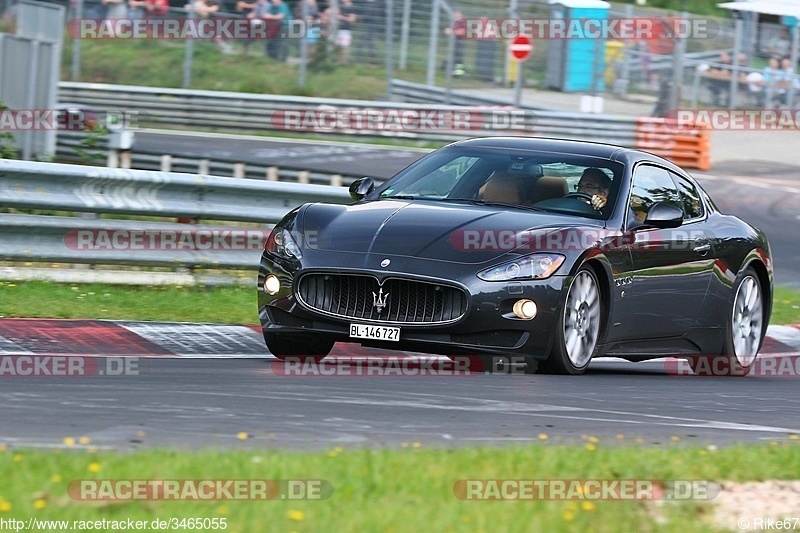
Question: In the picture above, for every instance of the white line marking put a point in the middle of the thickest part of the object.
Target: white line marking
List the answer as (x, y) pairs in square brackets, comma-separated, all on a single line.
[(510, 408)]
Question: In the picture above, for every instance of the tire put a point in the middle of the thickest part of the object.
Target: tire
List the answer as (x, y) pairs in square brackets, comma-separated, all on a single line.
[(744, 331), (579, 325), (309, 347)]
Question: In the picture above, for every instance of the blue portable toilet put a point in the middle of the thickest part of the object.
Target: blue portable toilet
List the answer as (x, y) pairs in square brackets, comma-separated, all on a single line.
[(577, 65)]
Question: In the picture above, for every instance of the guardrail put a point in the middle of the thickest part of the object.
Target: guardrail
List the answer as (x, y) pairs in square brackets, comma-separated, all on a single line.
[(56, 187), (70, 142), (242, 112)]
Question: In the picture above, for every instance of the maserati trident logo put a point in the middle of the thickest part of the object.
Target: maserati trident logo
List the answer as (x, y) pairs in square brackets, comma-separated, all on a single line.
[(379, 300)]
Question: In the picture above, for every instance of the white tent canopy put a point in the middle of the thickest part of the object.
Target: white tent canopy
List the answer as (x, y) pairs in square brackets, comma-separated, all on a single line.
[(786, 8)]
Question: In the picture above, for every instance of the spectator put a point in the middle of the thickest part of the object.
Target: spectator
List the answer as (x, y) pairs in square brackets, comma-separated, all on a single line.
[(719, 84), (205, 9), (459, 29), (370, 19), (244, 9), (157, 8), (346, 17), (275, 12), (769, 77), (785, 79), (780, 44), (137, 9), (312, 25), (115, 9)]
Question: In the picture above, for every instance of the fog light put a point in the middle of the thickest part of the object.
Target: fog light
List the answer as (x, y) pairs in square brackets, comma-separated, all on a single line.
[(525, 309), (272, 284)]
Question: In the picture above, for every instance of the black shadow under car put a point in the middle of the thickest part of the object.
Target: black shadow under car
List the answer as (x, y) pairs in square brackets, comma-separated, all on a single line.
[(554, 251)]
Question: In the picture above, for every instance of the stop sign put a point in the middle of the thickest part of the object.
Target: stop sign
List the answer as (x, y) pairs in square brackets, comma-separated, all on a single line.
[(521, 47)]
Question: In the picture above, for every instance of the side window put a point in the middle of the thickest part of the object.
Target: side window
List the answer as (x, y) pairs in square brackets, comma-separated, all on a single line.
[(650, 186), (690, 197)]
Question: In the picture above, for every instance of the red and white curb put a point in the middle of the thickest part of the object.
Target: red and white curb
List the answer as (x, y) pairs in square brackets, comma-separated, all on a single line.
[(33, 336)]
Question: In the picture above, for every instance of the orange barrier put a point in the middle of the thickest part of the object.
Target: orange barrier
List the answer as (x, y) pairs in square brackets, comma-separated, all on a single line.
[(686, 145)]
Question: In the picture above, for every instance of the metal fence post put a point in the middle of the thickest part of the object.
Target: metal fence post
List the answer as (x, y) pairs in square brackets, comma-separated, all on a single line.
[(430, 77), (677, 70), (795, 42), (76, 45), (189, 53), (737, 48), (30, 98), (406, 27), (389, 45), (301, 74), (624, 80)]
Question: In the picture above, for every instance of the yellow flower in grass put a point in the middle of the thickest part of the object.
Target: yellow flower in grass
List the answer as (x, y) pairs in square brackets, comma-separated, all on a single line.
[(17, 457), (222, 510), (297, 516), (5, 506), (591, 447), (56, 479), (94, 467), (39, 504), (568, 516), (588, 506)]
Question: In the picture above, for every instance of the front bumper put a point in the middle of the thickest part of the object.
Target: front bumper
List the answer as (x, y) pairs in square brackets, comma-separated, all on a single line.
[(487, 327)]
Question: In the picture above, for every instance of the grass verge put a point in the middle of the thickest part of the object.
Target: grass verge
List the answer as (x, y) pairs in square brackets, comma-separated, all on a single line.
[(393, 490), (231, 305)]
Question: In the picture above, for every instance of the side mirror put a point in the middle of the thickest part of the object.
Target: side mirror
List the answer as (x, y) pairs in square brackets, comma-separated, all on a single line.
[(361, 187), (664, 216)]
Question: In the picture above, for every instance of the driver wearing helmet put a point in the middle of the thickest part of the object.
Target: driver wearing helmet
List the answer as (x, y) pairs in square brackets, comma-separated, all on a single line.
[(595, 183)]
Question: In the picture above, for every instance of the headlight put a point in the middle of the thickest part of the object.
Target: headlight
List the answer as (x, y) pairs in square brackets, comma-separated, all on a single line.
[(537, 266), (280, 242)]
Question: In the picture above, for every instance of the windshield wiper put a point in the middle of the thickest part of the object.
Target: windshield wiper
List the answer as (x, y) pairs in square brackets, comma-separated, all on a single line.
[(490, 203), (398, 197)]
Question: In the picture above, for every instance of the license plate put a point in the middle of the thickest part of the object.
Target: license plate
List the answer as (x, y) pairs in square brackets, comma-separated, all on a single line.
[(381, 333)]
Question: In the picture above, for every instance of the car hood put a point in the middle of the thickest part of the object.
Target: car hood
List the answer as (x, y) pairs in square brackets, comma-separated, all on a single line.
[(439, 231)]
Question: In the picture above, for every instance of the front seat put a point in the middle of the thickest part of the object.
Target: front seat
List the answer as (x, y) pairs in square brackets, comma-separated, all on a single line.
[(548, 187), (508, 187)]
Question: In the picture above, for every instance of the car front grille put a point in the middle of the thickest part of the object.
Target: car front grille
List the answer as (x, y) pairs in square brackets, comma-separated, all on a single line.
[(406, 301)]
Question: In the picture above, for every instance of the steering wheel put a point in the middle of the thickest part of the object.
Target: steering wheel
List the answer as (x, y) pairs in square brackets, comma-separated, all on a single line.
[(581, 195)]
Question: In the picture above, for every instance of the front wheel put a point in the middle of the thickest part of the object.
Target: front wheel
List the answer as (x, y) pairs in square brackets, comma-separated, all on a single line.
[(303, 348), (744, 331), (579, 326)]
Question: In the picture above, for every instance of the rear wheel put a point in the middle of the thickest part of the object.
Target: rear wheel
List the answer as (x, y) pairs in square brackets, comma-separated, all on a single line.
[(579, 326), (303, 348), (744, 332)]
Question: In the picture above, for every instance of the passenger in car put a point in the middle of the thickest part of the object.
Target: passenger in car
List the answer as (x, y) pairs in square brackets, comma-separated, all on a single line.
[(596, 184)]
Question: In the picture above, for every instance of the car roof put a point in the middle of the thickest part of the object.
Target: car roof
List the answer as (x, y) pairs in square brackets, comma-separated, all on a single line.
[(587, 148)]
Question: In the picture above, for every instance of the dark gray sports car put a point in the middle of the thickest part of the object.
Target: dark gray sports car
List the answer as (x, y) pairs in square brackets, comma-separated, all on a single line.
[(554, 251)]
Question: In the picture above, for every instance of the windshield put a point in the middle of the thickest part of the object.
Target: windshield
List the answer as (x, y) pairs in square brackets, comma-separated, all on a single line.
[(565, 183)]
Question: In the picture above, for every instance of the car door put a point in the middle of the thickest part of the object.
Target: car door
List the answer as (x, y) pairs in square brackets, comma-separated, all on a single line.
[(670, 268)]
